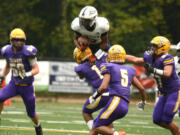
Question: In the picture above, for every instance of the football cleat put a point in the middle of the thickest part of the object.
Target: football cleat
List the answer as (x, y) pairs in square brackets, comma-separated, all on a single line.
[(116, 54), (38, 130), (160, 45)]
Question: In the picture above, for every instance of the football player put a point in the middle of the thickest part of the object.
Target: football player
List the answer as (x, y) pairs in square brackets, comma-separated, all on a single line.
[(177, 63), (161, 65), (96, 28), (21, 59), (119, 78), (89, 68)]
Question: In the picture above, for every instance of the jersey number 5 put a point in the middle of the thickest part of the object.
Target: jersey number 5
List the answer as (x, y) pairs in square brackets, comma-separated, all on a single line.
[(124, 77)]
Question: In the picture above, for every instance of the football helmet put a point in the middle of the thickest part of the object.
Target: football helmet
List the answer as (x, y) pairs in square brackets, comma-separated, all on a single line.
[(87, 16), (116, 54), (17, 33), (160, 45), (81, 56), (178, 46)]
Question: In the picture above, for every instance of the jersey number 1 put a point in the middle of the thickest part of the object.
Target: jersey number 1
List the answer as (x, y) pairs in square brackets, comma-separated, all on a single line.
[(98, 72)]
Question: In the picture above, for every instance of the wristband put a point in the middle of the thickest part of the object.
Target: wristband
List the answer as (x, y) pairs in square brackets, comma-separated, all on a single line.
[(158, 72), (96, 95), (28, 74)]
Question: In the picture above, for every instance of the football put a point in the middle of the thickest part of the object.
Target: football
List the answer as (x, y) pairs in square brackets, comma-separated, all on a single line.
[(84, 42)]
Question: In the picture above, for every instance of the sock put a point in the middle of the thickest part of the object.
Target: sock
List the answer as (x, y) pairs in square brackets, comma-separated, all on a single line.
[(37, 124), (116, 133), (90, 124)]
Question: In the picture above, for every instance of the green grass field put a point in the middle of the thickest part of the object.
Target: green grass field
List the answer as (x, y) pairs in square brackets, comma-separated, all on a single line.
[(66, 119)]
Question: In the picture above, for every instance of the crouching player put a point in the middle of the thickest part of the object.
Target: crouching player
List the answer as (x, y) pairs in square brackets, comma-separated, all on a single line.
[(161, 65), (89, 68), (21, 59), (119, 79)]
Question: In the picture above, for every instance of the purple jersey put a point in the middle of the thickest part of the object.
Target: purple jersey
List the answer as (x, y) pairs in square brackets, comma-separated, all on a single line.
[(121, 79), (19, 62), (165, 85), (91, 72)]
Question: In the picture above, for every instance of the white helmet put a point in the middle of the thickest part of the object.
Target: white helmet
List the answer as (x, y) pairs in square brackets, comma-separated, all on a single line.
[(88, 16), (178, 46)]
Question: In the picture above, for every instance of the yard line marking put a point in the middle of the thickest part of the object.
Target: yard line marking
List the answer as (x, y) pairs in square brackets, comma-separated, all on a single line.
[(48, 130)]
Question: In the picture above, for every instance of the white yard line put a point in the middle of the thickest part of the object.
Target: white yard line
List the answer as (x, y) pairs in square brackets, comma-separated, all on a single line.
[(48, 130)]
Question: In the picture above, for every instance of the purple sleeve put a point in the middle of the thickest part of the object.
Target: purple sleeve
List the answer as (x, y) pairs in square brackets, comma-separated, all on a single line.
[(146, 57), (168, 60), (105, 68), (78, 69), (3, 50), (30, 50)]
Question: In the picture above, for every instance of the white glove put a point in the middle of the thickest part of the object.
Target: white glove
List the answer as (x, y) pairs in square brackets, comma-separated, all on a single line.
[(94, 97), (141, 105), (91, 100), (24, 75)]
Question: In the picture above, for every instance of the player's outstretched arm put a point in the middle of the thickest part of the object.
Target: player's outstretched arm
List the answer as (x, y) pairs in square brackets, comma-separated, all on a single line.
[(104, 42), (141, 89), (135, 60)]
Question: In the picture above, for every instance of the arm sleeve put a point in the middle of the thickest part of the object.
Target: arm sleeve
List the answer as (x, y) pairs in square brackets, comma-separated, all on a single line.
[(32, 61), (168, 60), (105, 68), (79, 70)]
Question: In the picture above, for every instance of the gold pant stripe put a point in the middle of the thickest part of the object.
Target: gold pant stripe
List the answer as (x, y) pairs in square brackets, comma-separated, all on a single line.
[(21, 84), (111, 108), (95, 104), (177, 103)]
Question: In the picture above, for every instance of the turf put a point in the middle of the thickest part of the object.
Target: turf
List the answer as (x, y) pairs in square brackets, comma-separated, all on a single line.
[(66, 119)]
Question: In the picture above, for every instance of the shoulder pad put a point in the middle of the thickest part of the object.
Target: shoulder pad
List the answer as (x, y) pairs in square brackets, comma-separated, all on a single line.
[(75, 24), (168, 59), (4, 49), (104, 24), (30, 50), (164, 55)]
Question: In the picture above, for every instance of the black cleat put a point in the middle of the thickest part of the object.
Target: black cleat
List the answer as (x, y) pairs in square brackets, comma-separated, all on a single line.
[(38, 130)]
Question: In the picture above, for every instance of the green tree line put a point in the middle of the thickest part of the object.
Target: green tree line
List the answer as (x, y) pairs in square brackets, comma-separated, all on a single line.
[(133, 23)]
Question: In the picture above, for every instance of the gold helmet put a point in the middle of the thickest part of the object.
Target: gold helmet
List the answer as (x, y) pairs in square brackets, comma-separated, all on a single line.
[(17, 33), (162, 44), (81, 56), (116, 54)]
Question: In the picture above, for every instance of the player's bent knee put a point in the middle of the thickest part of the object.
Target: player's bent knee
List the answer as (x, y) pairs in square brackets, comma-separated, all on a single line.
[(2, 99), (31, 114), (156, 121)]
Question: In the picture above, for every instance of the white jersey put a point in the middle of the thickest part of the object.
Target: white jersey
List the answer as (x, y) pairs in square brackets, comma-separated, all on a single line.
[(177, 65), (102, 26)]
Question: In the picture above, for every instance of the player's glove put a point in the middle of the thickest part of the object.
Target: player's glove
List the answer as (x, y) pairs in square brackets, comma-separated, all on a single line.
[(141, 105), (149, 68), (25, 75), (2, 78), (93, 98)]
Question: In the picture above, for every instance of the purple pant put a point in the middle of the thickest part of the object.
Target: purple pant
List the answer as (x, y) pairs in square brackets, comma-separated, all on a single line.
[(26, 92), (116, 108), (100, 103), (166, 108)]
